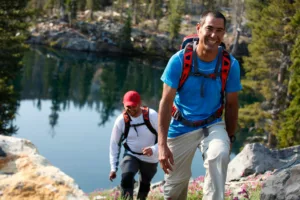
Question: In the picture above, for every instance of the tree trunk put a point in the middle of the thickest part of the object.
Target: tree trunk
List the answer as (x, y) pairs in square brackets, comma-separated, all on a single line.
[(121, 2), (62, 9), (134, 12), (92, 15), (237, 14), (236, 42), (73, 8), (280, 95)]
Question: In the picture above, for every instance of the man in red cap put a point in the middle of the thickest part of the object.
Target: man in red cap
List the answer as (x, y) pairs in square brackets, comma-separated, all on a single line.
[(136, 129)]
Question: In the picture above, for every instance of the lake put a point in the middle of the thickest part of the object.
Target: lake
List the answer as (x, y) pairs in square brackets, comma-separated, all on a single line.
[(69, 101)]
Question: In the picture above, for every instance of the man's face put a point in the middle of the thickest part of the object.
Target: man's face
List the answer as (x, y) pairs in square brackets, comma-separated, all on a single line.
[(211, 33), (134, 111)]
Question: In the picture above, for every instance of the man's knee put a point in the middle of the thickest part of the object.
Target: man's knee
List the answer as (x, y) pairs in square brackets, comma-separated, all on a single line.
[(224, 156), (127, 180), (218, 151)]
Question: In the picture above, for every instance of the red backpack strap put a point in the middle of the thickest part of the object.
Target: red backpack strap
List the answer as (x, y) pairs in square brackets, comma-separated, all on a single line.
[(224, 76), (187, 63), (127, 120), (145, 111), (225, 69)]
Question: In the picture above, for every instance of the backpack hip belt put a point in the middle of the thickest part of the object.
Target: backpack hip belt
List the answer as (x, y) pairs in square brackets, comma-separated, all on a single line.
[(176, 114)]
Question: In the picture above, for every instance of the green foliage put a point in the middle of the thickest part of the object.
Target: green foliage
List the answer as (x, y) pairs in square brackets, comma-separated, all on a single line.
[(250, 94), (125, 34), (13, 30), (251, 117), (81, 5), (176, 12), (248, 189), (156, 8), (289, 134), (98, 4), (37, 6), (90, 5), (72, 8), (8, 106), (268, 63)]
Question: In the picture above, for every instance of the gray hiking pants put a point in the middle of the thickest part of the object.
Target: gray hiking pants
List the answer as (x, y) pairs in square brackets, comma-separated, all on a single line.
[(215, 149)]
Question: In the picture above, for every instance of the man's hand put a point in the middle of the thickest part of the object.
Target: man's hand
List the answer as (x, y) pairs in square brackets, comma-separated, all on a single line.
[(147, 151), (112, 175), (165, 157)]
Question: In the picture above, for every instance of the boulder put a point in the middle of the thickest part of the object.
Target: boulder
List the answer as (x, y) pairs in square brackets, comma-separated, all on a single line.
[(78, 44), (284, 185), (25, 174), (256, 158)]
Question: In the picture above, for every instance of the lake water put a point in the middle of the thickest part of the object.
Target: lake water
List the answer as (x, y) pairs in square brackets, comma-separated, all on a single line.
[(69, 101)]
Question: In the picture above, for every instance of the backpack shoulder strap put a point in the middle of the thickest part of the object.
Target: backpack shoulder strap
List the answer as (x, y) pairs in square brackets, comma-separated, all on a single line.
[(225, 68), (187, 63), (127, 120), (145, 111)]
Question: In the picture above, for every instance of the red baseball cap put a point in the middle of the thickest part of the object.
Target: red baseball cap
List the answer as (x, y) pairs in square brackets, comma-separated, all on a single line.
[(131, 98)]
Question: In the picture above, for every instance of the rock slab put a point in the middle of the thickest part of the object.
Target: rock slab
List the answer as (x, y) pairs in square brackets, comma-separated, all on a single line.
[(255, 158), (284, 185), (25, 174)]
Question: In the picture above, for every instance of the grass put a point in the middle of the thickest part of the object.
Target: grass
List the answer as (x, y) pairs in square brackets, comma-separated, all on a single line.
[(249, 188)]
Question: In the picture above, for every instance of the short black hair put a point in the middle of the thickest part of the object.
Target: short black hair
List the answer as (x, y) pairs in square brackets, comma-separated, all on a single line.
[(215, 14)]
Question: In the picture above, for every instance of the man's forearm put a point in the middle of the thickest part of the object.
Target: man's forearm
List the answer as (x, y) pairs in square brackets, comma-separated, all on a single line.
[(231, 118), (164, 118)]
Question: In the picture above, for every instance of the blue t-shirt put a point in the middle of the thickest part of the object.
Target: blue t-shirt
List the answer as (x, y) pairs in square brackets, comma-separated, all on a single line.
[(193, 103)]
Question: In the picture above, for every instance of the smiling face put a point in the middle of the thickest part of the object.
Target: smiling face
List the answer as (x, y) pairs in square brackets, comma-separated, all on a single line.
[(211, 32), (134, 111)]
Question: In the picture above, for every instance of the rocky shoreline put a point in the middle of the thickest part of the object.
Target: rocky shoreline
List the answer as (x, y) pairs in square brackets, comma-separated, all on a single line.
[(104, 36), (25, 174)]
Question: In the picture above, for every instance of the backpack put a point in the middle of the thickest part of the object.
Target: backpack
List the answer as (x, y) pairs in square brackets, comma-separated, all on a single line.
[(189, 45), (127, 119)]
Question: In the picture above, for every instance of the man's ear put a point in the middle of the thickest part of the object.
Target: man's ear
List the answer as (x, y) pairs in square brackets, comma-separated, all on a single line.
[(198, 26)]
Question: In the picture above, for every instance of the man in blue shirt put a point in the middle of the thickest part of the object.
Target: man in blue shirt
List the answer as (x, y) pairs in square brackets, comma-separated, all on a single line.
[(197, 101)]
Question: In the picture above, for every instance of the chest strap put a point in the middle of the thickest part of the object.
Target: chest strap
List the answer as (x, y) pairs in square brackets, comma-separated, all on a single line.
[(128, 149)]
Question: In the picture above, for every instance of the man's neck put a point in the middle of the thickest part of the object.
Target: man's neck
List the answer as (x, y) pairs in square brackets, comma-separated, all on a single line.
[(206, 55)]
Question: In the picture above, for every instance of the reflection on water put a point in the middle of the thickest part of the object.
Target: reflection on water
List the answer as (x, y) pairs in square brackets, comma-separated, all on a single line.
[(88, 80)]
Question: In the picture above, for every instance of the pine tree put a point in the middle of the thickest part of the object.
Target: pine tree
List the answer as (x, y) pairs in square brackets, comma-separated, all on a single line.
[(125, 34), (13, 33), (72, 4), (90, 6), (289, 134), (156, 11), (269, 60), (176, 12)]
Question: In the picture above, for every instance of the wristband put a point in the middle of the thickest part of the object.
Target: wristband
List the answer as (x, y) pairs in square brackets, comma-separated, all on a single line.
[(232, 138)]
